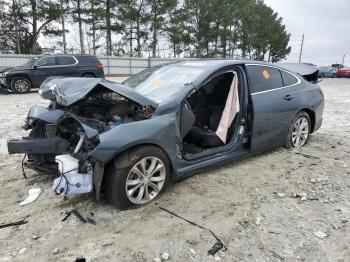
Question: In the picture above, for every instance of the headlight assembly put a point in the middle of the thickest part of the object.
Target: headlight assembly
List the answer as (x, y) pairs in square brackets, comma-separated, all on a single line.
[(4, 74)]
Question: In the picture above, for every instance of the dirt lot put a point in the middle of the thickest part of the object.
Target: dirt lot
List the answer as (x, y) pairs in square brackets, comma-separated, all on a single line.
[(251, 205)]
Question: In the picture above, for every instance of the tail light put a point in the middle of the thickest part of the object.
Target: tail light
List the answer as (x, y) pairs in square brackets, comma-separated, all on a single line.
[(322, 92), (100, 66)]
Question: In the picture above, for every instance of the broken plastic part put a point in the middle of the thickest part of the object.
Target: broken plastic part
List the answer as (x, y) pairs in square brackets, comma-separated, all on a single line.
[(217, 246), (33, 194), (71, 182), (80, 143)]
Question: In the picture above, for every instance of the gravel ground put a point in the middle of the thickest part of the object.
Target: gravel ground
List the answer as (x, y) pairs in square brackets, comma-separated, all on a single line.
[(285, 205)]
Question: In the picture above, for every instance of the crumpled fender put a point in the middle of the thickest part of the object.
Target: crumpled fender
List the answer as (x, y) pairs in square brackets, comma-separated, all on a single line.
[(42, 113), (90, 126), (159, 131)]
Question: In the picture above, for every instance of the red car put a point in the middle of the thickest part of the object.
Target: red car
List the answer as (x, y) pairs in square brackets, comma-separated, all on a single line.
[(344, 72)]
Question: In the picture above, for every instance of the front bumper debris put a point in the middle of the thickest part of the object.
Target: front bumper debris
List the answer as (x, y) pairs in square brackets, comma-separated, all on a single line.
[(55, 145), (71, 182), (3, 81)]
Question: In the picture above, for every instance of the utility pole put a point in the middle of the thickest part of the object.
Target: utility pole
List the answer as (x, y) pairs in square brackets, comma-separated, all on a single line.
[(63, 28), (342, 63), (301, 48)]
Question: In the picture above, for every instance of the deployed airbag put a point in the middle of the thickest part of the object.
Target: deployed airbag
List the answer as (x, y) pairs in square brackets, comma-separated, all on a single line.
[(231, 109)]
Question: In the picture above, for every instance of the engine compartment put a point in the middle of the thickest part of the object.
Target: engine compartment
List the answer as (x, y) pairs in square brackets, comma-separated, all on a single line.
[(109, 108), (98, 112)]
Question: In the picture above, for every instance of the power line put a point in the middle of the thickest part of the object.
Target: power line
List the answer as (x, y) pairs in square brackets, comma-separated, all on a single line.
[(301, 49)]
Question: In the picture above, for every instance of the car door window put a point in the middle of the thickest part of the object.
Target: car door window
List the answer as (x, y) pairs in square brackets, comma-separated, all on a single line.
[(47, 61), (65, 60), (263, 78), (288, 79)]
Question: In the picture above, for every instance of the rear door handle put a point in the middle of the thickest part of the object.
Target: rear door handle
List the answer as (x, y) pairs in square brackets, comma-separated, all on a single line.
[(288, 97)]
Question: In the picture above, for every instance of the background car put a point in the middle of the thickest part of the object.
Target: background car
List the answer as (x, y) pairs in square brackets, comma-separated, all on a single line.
[(33, 73), (344, 72), (327, 72), (337, 66)]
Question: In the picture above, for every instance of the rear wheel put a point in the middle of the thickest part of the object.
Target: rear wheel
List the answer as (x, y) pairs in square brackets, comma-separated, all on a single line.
[(89, 75), (299, 131), (137, 177), (20, 84)]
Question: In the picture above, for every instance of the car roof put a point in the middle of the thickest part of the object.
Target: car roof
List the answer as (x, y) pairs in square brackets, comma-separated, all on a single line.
[(211, 65), (76, 55)]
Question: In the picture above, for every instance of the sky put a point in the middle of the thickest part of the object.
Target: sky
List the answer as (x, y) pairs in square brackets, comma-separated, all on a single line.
[(325, 24)]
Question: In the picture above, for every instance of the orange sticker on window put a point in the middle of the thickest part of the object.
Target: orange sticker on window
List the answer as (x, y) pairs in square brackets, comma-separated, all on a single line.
[(266, 74), (158, 82)]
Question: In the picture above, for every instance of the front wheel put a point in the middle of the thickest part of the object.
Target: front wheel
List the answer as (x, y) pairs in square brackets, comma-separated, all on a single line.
[(20, 84), (299, 131), (137, 177)]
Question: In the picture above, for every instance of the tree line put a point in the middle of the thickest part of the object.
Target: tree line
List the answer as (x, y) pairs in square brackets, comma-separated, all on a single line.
[(189, 28)]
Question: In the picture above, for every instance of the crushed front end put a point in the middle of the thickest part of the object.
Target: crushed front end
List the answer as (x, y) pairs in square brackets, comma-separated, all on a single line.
[(64, 135)]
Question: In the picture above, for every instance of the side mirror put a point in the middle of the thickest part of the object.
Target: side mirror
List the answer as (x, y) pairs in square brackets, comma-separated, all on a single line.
[(35, 66)]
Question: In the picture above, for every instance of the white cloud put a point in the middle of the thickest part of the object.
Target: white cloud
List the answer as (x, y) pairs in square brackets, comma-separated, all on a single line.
[(325, 23)]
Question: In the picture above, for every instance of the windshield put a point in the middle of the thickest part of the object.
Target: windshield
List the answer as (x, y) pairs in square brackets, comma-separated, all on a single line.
[(161, 83), (30, 62)]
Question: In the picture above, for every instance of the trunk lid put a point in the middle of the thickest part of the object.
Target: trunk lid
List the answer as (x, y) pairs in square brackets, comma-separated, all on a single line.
[(308, 72)]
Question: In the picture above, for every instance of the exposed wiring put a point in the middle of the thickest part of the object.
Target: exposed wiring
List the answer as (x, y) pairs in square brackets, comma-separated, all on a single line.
[(63, 175), (23, 171), (218, 245)]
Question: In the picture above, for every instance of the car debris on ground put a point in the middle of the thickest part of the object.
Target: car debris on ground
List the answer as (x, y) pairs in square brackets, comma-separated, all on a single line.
[(33, 194), (17, 223), (320, 234), (216, 247), (79, 216)]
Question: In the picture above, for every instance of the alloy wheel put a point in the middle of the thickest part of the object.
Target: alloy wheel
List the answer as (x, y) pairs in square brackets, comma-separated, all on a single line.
[(300, 132), (145, 180), (21, 86)]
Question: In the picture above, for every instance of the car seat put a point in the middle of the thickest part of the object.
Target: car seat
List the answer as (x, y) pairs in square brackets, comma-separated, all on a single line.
[(205, 136)]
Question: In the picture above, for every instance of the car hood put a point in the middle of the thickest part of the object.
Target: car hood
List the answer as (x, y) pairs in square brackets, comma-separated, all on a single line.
[(17, 68), (3, 70), (68, 91), (310, 73)]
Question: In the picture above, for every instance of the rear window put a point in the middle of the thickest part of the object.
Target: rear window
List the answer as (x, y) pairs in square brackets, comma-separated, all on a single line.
[(288, 79), (88, 60), (65, 60), (263, 78), (47, 61)]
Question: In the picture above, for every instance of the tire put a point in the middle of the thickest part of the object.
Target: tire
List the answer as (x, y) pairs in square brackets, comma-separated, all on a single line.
[(20, 84), (299, 131), (89, 75), (142, 188)]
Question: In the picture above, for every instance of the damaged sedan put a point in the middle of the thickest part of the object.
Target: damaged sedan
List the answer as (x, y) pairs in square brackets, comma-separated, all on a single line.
[(166, 123)]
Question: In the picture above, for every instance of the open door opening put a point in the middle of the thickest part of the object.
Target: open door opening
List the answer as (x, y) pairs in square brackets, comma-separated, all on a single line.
[(210, 116)]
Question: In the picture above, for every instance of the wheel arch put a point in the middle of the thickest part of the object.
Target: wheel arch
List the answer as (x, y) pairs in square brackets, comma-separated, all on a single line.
[(122, 153), (122, 156), (311, 115), (88, 73), (21, 75)]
